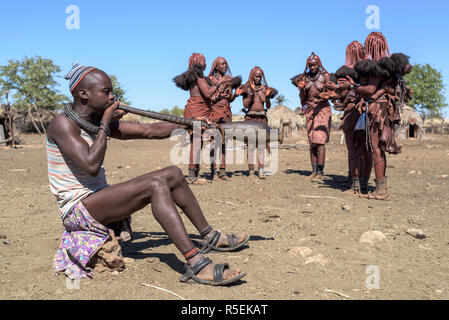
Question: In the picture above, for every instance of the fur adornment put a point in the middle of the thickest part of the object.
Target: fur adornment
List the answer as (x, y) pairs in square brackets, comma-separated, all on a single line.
[(401, 62), (387, 64), (294, 79), (273, 93), (370, 68), (185, 79), (236, 82), (345, 71)]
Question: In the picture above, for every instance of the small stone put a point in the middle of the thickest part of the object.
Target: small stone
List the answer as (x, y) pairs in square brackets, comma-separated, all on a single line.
[(115, 273), (372, 237), (346, 208), (6, 241), (128, 260), (303, 251), (412, 172), (319, 258), (439, 291), (417, 233)]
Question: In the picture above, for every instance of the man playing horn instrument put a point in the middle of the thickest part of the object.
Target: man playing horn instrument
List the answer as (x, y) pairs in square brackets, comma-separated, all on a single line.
[(76, 148)]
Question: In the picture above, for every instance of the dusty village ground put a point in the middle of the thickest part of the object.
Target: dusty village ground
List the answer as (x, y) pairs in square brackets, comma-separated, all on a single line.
[(304, 236)]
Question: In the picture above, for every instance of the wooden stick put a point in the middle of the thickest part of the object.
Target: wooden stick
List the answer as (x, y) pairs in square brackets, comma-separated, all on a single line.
[(158, 288), (11, 129), (338, 293), (289, 225), (317, 197)]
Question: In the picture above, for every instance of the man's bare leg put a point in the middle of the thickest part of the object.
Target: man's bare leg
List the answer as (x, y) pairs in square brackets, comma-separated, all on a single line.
[(163, 189)]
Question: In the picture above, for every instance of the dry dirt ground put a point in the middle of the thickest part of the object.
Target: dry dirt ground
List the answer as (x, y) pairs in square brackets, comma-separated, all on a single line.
[(304, 236)]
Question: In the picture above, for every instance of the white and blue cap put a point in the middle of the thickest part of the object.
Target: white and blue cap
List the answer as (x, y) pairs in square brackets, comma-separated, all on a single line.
[(76, 74)]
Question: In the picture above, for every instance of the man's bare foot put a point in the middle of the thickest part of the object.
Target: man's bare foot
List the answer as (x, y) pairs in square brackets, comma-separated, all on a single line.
[(352, 192), (126, 233), (222, 175), (251, 173), (200, 181)]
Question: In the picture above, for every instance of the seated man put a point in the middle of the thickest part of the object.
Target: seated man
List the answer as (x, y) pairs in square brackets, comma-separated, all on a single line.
[(76, 147)]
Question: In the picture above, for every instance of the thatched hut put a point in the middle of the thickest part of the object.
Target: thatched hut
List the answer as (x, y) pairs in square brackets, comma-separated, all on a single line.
[(411, 124), (287, 118)]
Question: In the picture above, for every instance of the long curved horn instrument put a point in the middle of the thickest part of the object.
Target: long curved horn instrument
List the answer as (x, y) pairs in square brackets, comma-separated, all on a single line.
[(164, 117), (244, 126)]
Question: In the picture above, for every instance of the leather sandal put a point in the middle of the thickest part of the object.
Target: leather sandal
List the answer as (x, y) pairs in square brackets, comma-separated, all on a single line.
[(192, 271), (211, 243)]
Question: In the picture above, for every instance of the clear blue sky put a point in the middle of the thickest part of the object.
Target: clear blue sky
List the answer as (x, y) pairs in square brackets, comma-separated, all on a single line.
[(146, 43)]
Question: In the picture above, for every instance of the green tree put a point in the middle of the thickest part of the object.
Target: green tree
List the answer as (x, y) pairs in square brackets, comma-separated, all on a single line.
[(165, 111), (280, 100), (427, 85), (33, 86), (177, 111), (119, 92)]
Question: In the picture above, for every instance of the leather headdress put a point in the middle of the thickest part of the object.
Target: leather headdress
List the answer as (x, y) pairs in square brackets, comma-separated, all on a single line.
[(314, 57)]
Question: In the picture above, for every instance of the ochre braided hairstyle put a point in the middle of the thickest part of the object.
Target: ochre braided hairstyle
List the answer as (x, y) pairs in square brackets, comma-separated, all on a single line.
[(251, 75), (354, 52), (376, 46), (196, 58), (214, 65), (194, 72)]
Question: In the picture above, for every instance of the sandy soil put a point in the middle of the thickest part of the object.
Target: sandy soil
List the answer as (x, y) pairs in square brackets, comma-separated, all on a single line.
[(283, 214)]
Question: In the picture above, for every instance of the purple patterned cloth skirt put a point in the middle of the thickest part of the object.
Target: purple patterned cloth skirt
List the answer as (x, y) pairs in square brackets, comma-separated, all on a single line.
[(81, 240)]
